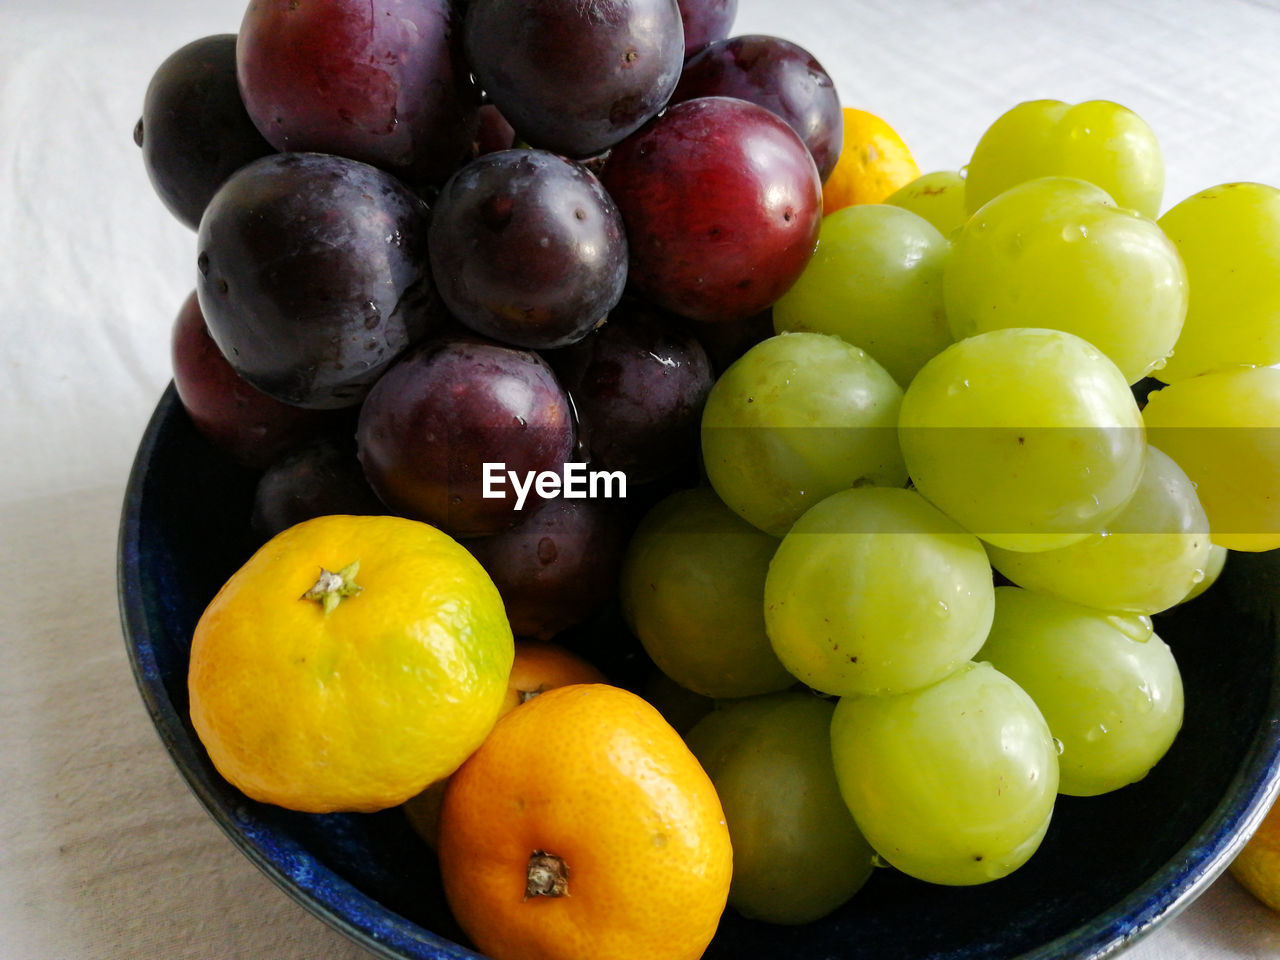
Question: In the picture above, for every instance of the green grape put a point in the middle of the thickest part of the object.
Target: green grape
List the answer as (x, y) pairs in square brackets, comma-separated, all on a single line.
[(1098, 141), (797, 417), (1223, 429), (1058, 253), (1212, 570), (797, 854), (875, 280), (1153, 551), (1229, 239), (1029, 438), (692, 590), (875, 591), (953, 783), (938, 197), (679, 706), (1107, 685)]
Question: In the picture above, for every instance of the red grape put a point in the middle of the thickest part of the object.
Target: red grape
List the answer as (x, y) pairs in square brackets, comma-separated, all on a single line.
[(438, 416), (494, 132), (243, 422), (638, 384), (705, 21), (382, 81), (558, 567), (575, 77), (722, 204), (324, 477), (778, 75)]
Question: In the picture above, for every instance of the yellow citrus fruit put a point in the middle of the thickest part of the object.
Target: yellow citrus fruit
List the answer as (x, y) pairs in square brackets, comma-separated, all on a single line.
[(1258, 865), (584, 828), (349, 663), (874, 163), (538, 667)]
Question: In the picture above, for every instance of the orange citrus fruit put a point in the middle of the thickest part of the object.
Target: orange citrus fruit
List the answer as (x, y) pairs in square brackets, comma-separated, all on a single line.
[(350, 662), (873, 164), (1257, 867), (538, 667), (584, 828)]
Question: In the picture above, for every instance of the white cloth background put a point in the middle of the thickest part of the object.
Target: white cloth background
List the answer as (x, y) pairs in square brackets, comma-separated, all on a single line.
[(103, 853)]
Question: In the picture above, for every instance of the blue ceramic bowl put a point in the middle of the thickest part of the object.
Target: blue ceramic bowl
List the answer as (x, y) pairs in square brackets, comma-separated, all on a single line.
[(1109, 870)]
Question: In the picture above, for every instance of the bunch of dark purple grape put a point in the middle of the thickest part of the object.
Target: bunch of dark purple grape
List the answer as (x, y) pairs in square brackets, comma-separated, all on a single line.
[(444, 247)]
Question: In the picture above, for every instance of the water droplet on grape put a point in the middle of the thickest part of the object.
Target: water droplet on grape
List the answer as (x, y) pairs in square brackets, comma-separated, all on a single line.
[(1144, 700), (1058, 745), (942, 610), (202, 264), (372, 315), (1197, 576), (1095, 733), (1136, 627), (878, 862)]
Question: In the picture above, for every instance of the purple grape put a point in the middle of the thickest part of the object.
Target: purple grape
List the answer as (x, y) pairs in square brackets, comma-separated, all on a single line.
[(779, 76), (638, 385), (194, 131), (527, 248), (575, 77), (725, 342), (382, 81), (324, 477), (705, 21), (558, 567), (435, 419), (313, 275), (238, 419), (494, 133)]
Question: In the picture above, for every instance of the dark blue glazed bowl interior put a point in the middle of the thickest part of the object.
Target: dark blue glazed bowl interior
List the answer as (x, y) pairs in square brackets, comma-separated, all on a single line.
[(1109, 869)]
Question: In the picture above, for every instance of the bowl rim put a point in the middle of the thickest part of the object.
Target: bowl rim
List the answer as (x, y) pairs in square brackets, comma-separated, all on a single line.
[(1173, 887)]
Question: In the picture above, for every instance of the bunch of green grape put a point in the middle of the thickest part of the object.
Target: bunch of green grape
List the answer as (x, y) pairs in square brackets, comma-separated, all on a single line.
[(949, 403)]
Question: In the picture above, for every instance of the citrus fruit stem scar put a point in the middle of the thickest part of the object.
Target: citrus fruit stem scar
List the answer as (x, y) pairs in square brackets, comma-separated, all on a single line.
[(527, 695), (332, 587), (548, 876)]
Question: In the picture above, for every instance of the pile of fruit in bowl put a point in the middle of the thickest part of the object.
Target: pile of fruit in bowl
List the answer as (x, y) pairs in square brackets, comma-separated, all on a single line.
[(611, 504)]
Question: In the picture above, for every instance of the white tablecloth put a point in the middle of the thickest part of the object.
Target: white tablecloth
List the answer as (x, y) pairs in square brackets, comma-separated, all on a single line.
[(103, 852)]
